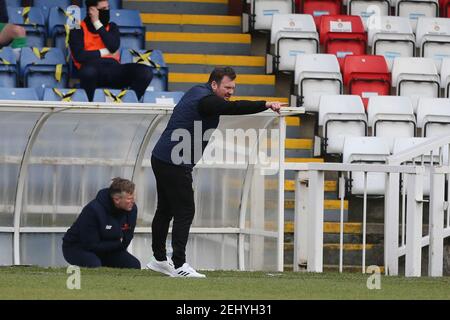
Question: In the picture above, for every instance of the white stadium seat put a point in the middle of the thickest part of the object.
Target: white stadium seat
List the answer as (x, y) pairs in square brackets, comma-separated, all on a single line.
[(414, 9), (291, 35), (433, 117), (367, 8), (316, 75), (445, 76), (415, 78), (403, 144), (366, 150), (391, 37), (433, 38), (263, 10), (391, 117), (341, 116)]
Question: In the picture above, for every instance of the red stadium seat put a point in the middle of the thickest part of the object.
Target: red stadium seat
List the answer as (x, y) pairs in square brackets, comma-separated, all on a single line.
[(318, 8), (367, 76), (343, 35), (444, 6)]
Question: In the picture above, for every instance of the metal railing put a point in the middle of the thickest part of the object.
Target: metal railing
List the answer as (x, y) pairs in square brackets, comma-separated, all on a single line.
[(309, 210)]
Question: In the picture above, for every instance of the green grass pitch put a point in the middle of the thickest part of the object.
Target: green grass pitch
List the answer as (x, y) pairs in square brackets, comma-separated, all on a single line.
[(104, 283)]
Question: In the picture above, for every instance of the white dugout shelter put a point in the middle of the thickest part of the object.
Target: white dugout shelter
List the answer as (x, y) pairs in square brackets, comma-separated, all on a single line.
[(54, 158)]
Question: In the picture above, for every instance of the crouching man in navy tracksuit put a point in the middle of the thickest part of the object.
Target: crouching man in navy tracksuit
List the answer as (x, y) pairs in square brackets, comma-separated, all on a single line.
[(104, 229)]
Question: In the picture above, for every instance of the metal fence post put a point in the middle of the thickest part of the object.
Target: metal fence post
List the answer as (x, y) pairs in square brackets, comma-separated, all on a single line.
[(315, 221), (391, 216), (436, 223), (300, 220), (414, 224)]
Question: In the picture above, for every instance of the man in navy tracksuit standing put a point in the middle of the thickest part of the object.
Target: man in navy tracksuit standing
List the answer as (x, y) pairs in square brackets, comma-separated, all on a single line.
[(203, 104), (104, 229)]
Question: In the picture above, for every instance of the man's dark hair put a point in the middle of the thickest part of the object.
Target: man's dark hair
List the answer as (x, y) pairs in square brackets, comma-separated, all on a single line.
[(219, 72), (120, 185), (92, 3)]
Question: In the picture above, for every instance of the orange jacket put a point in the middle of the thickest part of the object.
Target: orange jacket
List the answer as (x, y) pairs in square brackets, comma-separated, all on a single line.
[(93, 41)]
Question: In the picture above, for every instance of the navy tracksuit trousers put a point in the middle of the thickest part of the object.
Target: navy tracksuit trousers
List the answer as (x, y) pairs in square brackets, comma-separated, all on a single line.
[(77, 256)]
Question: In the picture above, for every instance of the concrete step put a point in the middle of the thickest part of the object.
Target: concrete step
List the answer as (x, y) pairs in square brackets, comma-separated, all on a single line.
[(203, 63), (332, 209), (246, 83), (203, 43), (191, 23), (219, 7), (290, 187)]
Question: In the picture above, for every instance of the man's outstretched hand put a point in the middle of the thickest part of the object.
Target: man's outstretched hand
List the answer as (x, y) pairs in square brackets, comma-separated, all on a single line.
[(276, 106)]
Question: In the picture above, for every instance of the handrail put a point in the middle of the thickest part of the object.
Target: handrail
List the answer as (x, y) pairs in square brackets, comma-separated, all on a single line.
[(418, 150)]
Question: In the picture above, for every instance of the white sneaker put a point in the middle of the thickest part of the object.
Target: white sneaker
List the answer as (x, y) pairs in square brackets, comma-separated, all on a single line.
[(165, 267), (187, 271)]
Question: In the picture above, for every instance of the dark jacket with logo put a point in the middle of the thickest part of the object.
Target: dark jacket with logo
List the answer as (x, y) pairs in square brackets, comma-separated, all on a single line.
[(100, 226), (199, 105)]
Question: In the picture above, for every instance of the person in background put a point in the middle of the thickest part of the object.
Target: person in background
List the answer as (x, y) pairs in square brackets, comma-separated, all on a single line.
[(102, 232), (95, 49), (11, 34)]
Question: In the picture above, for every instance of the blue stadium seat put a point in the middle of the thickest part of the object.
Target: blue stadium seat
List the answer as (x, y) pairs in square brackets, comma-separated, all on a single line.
[(8, 68), (13, 3), (115, 95), (57, 19), (66, 95), (163, 97), (32, 19), (132, 31), (152, 58), (42, 68), (18, 94), (46, 5)]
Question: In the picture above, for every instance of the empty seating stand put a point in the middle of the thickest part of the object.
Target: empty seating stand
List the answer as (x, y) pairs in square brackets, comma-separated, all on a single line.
[(46, 5), (262, 11), (445, 76), (152, 58), (366, 8), (291, 35), (343, 35), (433, 38), (115, 96), (341, 116), (167, 97), (414, 9), (65, 95), (403, 144), (8, 68), (367, 76), (42, 68), (32, 19), (60, 21), (433, 117), (390, 37), (415, 78), (444, 6), (391, 117), (18, 94), (132, 31), (316, 75), (366, 150), (319, 8)]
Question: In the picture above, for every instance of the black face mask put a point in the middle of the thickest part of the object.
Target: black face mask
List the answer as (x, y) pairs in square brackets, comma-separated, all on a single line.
[(103, 16)]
